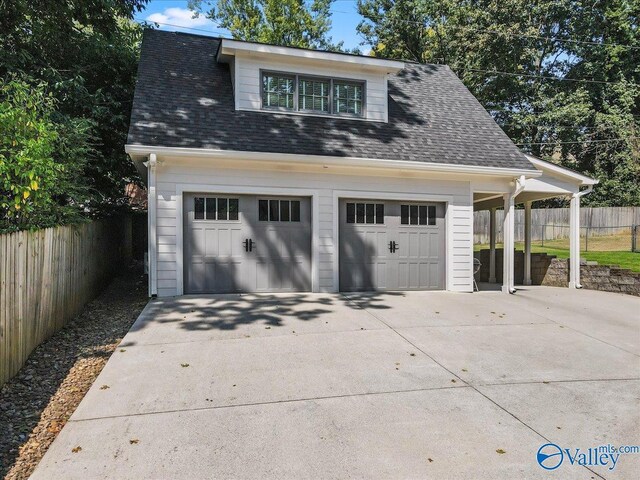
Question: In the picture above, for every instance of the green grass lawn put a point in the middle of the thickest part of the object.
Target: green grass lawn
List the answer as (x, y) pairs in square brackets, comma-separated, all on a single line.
[(627, 259)]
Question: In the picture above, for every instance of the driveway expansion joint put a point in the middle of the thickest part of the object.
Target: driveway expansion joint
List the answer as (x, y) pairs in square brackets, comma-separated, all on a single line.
[(274, 402), (545, 382)]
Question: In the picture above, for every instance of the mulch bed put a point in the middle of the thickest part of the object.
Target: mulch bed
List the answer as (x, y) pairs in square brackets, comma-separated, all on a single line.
[(38, 401)]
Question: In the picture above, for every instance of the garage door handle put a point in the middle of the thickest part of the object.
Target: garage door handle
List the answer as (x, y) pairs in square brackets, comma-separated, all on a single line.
[(393, 246), (248, 245)]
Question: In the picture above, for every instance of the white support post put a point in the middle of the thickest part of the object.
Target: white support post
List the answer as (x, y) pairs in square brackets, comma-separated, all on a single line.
[(152, 215), (492, 245), (508, 226), (574, 242), (527, 243), (509, 234)]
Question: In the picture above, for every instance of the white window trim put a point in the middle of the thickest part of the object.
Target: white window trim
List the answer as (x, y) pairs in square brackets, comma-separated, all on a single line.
[(183, 188)]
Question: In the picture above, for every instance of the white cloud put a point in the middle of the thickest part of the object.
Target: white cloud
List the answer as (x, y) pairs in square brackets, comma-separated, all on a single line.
[(179, 17)]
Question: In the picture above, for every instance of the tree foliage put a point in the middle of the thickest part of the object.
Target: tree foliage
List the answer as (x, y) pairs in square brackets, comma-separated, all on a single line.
[(294, 23), (81, 54), (40, 159), (560, 76)]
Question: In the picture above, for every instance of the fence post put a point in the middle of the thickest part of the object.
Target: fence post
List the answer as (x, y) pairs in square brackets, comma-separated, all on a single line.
[(586, 240), (634, 232)]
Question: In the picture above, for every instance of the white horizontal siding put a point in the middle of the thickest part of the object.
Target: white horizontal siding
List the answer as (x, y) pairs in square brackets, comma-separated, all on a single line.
[(248, 83), (461, 244), (167, 239), (172, 177)]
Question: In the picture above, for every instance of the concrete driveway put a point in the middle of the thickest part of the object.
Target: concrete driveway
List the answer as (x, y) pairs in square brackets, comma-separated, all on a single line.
[(398, 385)]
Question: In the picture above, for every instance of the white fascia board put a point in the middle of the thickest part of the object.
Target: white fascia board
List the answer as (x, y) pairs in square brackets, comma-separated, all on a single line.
[(554, 169), (142, 150), (230, 47)]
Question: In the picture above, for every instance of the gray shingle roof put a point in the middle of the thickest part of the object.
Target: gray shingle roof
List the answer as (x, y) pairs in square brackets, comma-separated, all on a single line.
[(184, 98)]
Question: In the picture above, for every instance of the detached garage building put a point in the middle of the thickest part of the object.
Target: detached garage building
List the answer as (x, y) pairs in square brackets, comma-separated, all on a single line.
[(276, 169)]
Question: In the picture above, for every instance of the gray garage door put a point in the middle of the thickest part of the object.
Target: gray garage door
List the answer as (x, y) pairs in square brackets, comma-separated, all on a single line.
[(242, 243), (391, 245)]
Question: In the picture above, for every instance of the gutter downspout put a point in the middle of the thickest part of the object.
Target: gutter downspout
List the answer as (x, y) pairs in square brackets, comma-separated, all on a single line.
[(575, 263), (509, 244), (151, 165)]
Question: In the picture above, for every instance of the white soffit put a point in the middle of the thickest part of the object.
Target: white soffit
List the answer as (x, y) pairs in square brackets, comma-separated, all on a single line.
[(229, 48)]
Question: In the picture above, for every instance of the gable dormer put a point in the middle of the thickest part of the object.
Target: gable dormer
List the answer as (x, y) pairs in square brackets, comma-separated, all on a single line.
[(308, 82)]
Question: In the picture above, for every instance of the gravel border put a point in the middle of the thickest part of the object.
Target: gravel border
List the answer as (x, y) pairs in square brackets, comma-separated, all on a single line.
[(38, 401)]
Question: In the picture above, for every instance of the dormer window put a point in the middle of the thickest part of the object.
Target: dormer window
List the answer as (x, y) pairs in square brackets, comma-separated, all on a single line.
[(316, 95), (313, 95), (278, 91), (347, 97)]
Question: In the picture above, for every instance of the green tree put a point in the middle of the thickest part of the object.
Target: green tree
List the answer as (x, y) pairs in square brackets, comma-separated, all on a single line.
[(85, 55), (294, 23), (521, 60), (40, 160)]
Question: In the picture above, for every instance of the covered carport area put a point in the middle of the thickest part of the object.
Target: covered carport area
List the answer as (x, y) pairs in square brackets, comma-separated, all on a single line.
[(554, 181)]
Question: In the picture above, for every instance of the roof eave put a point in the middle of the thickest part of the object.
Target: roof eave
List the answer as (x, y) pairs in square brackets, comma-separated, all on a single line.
[(575, 177), (229, 48), (138, 152)]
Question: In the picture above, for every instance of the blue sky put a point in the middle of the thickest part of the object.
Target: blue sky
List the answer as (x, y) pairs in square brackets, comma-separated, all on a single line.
[(344, 20)]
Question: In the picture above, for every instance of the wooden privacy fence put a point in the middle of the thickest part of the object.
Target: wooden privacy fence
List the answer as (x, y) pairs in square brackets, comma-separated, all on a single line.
[(46, 277), (553, 223)]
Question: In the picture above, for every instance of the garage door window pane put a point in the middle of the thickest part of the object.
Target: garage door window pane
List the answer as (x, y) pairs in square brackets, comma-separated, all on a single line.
[(222, 209), (351, 213), (263, 210), (370, 209), (404, 214), (210, 208), (198, 208), (284, 210), (360, 213), (380, 213), (422, 217), (432, 215), (274, 210), (233, 209), (413, 215), (295, 210)]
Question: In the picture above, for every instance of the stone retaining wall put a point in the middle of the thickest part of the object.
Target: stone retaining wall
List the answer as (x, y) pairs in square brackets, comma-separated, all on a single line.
[(554, 272)]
